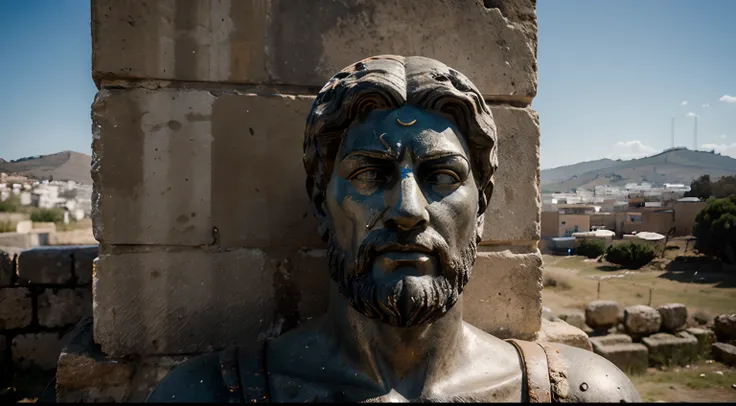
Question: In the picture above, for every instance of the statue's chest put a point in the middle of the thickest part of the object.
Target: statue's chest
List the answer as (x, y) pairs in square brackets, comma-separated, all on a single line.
[(293, 389)]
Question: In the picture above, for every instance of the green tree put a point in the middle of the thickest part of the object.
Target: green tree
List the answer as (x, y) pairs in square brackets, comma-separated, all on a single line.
[(715, 229), (47, 215), (631, 254), (591, 248), (700, 187), (10, 205)]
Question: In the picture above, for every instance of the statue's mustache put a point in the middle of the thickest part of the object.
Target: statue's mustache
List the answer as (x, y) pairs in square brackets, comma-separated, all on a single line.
[(383, 240)]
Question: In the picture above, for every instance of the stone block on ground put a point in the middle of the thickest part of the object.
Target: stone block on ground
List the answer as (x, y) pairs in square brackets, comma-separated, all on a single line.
[(610, 340), (561, 332), (63, 307), (7, 271), (725, 353), (573, 317), (641, 320), (503, 297), (306, 42), (86, 375), (548, 314), (601, 314), (39, 350), (674, 316), (632, 358), (705, 338), (16, 308), (724, 326), (667, 349), (45, 265), (83, 258)]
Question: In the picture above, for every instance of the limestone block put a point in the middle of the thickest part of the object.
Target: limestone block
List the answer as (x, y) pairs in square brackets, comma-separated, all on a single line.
[(632, 358), (504, 294), (37, 350), (601, 314), (62, 307), (16, 308), (561, 332), (674, 316), (83, 258), (724, 326), (705, 338), (305, 42), (725, 353), (573, 317), (185, 301), (185, 162), (515, 207), (666, 349), (611, 339), (7, 273), (641, 320), (45, 265)]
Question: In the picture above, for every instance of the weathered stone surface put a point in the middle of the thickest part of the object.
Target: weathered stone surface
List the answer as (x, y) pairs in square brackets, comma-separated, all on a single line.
[(641, 320), (83, 258), (45, 265), (601, 314), (561, 332), (724, 326), (149, 192), (306, 42), (666, 349), (37, 350), (632, 358), (610, 340), (161, 302), (725, 353), (705, 338), (504, 294), (62, 307), (515, 207), (7, 272), (86, 375), (16, 308), (573, 317), (674, 316), (548, 314)]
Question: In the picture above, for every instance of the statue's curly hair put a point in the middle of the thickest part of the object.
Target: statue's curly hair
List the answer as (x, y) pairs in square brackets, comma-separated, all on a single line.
[(388, 82)]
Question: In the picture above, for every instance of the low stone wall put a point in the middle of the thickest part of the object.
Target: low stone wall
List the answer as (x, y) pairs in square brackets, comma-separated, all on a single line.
[(44, 292)]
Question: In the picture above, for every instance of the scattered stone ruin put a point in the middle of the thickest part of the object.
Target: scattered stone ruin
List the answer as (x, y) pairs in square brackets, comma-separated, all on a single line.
[(199, 202), (638, 337), (44, 292)]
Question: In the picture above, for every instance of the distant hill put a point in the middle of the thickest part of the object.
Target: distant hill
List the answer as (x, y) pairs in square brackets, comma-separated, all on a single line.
[(66, 165), (679, 165)]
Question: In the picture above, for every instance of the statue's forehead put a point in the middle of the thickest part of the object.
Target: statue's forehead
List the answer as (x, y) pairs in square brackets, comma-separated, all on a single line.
[(406, 127)]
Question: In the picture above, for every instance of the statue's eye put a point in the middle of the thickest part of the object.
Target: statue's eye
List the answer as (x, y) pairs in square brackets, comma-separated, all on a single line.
[(443, 177), (368, 175)]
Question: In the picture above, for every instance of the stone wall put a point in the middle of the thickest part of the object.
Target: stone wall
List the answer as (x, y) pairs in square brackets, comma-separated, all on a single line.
[(44, 292), (199, 190)]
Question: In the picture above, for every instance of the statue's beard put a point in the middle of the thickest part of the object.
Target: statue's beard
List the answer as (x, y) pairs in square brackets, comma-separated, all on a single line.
[(411, 301)]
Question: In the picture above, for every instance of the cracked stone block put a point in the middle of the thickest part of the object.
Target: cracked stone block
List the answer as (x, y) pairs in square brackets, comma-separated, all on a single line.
[(641, 320), (632, 358), (667, 349), (601, 314), (16, 308), (674, 316)]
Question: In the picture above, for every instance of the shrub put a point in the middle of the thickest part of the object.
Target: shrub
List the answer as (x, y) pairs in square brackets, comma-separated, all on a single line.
[(552, 282), (715, 229), (47, 215), (591, 248), (7, 227), (631, 254), (10, 205)]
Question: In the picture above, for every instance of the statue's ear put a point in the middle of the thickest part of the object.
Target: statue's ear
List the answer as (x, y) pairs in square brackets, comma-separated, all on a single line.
[(479, 222)]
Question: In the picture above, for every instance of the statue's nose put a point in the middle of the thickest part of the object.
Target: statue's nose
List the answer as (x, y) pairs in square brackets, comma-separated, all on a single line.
[(409, 209)]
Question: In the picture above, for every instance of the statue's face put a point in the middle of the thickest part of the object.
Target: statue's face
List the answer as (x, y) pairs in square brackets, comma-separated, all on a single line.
[(402, 206)]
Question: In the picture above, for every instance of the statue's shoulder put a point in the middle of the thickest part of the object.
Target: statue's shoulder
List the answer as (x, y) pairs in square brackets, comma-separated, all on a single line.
[(592, 378), (561, 373), (234, 375)]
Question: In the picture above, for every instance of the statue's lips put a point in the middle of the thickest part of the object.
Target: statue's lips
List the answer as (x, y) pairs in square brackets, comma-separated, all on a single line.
[(410, 263)]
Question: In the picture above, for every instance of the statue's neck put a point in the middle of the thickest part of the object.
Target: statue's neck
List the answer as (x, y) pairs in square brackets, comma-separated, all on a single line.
[(392, 356)]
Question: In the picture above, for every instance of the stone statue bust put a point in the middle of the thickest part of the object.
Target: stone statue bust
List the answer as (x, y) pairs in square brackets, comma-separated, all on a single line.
[(400, 154)]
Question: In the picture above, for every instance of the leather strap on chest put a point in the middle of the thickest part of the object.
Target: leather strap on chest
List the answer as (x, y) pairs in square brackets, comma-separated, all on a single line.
[(545, 371), (244, 374)]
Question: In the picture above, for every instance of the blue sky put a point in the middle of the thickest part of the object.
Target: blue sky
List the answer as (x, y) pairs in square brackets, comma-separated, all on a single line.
[(612, 74)]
